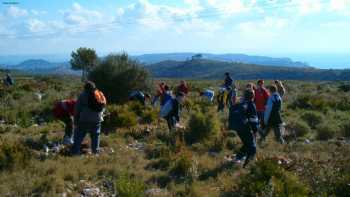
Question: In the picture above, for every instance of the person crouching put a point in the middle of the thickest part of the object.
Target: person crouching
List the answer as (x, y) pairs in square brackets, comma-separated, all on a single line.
[(64, 111)]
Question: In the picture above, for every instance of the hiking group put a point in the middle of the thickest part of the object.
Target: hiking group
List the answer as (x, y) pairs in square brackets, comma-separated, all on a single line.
[(252, 116)]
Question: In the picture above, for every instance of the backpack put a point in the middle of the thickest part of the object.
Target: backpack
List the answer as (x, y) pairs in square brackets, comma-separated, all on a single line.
[(237, 117), (166, 109), (97, 101)]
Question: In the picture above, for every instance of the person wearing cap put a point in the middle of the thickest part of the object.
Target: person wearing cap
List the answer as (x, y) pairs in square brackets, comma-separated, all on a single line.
[(261, 97)]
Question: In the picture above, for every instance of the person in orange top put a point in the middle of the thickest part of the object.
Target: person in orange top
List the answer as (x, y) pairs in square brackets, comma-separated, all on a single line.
[(261, 97), (64, 111)]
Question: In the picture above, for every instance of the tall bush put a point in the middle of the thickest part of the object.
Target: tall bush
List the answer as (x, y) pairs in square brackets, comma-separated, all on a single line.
[(117, 75)]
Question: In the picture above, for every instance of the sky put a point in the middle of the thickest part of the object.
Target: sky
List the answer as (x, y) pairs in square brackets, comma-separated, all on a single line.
[(301, 29)]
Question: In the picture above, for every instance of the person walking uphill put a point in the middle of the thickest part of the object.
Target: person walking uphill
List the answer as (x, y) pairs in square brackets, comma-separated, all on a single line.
[(243, 119), (88, 117), (273, 119), (261, 97), (64, 111), (171, 111), (228, 81)]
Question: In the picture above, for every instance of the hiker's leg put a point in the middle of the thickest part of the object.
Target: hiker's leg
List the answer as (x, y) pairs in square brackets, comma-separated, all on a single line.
[(278, 129), (95, 138), (243, 150), (79, 136)]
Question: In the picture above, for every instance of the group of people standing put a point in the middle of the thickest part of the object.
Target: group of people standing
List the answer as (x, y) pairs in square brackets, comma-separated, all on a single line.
[(252, 117)]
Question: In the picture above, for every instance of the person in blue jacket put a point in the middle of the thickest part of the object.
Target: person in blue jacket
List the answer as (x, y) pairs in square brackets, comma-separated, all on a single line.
[(246, 128), (208, 94), (272, 117)]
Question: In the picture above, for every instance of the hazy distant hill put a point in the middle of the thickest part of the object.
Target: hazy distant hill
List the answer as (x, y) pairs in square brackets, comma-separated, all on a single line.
[(39, 66), (241, 58), (210, 69)]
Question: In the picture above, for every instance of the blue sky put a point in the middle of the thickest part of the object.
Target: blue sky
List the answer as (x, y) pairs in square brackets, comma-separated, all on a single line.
[(263, 27)]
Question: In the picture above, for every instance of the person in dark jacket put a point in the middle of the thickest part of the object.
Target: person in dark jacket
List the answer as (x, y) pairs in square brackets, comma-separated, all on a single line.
[(87, 120), (228, 81), (139, 96), (64, 111), (8, 81), (173, 117), (272, 118), (159, 92), (247, 129)]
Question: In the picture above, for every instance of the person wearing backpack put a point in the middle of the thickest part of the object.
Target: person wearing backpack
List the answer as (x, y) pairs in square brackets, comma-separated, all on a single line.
[(208, 94), (64, 111), (171, 111), (272, 118), (88, 117), (243, 119), (228, 82)]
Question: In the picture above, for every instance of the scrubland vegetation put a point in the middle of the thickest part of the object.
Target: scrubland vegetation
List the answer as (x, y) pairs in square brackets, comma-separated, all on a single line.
[(141, 158)]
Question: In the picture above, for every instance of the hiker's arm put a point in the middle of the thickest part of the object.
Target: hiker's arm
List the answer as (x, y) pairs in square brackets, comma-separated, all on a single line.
[(253, 118), (268, 111)]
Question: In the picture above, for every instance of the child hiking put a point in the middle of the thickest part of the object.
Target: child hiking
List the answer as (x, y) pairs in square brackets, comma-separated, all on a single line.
[(243, 119), (273, 119)]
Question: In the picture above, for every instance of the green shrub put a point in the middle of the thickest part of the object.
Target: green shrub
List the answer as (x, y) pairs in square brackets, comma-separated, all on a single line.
[(117, 75), (182, 165), (120, 116), (326, 131), (346, 129), (300, 128), (149, 115), (130, 186), (13, 154), (312, 118), (203, 126), (267, 178)]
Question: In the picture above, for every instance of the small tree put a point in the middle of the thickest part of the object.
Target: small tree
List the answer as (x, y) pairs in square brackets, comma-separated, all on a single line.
[(117, 75), (84, 59)]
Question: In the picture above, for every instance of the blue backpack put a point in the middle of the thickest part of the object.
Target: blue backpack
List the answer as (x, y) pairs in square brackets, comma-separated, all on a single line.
[(237, 117)]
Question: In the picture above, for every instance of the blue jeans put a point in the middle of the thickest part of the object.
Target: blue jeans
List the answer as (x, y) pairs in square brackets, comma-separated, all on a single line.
[(82, 129)]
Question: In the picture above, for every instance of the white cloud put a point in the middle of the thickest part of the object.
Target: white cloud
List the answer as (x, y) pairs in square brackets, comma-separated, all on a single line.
[(340, 6), (16, 12), (231, 7), (266, 27), (81, 16), (35, 25), (309, 6)]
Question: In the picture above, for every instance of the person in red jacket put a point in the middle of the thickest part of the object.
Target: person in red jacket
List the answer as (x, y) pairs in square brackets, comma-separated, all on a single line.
[(261, 97), (183, 88), (64, 111)]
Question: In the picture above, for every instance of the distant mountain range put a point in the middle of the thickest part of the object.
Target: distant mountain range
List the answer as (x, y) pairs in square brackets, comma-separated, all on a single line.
[(211, 69), (39, 66), (198, 67), (237, 58)]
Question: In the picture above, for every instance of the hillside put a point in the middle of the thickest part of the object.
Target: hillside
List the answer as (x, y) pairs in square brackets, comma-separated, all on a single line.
[(242, 58), (40, 66), (210, 69)]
